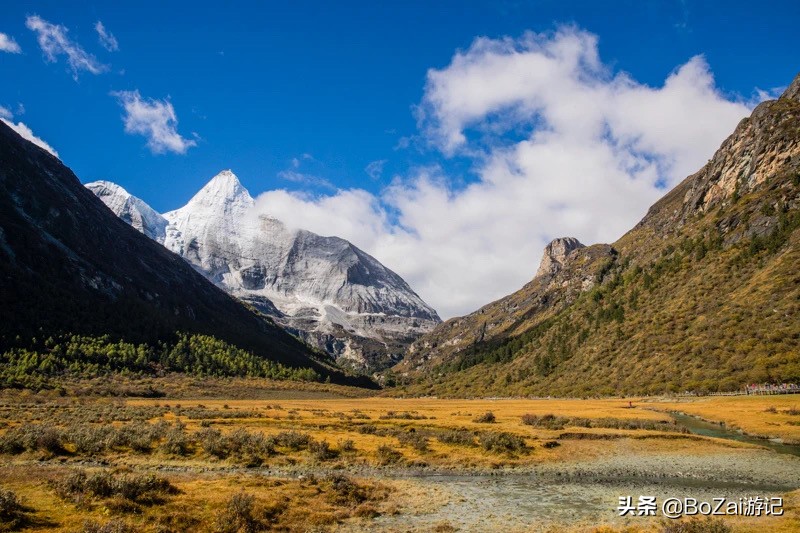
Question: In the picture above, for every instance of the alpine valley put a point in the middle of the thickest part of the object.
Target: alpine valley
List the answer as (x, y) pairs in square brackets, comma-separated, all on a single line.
[(322, 289)]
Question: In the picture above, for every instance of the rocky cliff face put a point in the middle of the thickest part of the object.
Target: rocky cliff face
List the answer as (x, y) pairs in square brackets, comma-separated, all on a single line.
[(323, 289), (555, 255)]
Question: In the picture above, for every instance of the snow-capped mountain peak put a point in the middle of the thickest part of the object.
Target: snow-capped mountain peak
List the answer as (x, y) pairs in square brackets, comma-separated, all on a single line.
[(323, 288), (223, 191)]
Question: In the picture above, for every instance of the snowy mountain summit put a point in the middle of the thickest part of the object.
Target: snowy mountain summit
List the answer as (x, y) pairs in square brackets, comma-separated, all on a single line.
[(324, 289)]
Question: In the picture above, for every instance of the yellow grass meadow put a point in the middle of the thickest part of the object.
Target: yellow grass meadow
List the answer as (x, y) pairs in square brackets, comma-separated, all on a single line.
[(332, 463)]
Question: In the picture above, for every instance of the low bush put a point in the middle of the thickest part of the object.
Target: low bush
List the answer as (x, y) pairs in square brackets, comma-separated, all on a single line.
[(141, 489), (322, 451), (502, 442), (345, 491), (387, 455), (550, 421), (695, 525), (367, 429), (413, 439), (461, 437), (294, 440), (486, 418), (238, 515), (346, 445), (12, 513), (113, 526), (33, 437), (176, 441)]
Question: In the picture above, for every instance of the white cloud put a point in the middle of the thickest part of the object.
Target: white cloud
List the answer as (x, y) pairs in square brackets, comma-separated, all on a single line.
[(26, 133), (155, 119), (106, 38), (6, 113), (375, 168), (53, 41), (8, 44), (560, 146)]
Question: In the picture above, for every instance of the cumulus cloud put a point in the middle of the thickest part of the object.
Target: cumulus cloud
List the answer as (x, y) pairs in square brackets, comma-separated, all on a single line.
[(6, 113), (54, 41), (155, 119), (26, 133), (8, 44), (560, 145), (106, 38)]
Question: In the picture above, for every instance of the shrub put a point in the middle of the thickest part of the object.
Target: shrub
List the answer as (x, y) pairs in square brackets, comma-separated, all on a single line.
[(101, 484), (91, 440), (551, 444), (243, 447), (322, 451), (502, 442), (461, 437), (345, 491), (486, 418), (707, 525), (402, 415), (367, 429), (113, 526), (176, 442), (388, 455), (32, 437), (144, 489), (346, 445), (548, 421), (71, 486), (294, 440), (238, 515), (213, 443), (12, 512), (415, 440), (139, 436)]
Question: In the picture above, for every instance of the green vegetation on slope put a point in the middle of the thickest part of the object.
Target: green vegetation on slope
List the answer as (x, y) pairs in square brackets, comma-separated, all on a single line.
[(84, 357)]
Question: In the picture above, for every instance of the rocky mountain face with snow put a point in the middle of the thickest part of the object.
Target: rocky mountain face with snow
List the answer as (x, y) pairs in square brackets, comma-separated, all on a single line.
[(131, 209), (323, 289)]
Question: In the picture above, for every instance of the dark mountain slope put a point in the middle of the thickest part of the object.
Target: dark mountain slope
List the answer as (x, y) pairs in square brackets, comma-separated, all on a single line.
[(703, 294), (68, 265)]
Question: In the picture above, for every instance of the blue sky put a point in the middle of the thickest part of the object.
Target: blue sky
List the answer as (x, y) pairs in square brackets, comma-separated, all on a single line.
[(304, 97)]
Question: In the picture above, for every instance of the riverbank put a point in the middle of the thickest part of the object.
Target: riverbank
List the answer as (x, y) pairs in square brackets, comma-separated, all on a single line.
[(765, 417)]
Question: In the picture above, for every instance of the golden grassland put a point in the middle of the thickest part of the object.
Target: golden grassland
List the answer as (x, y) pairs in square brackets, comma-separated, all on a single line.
[(319, 464)]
